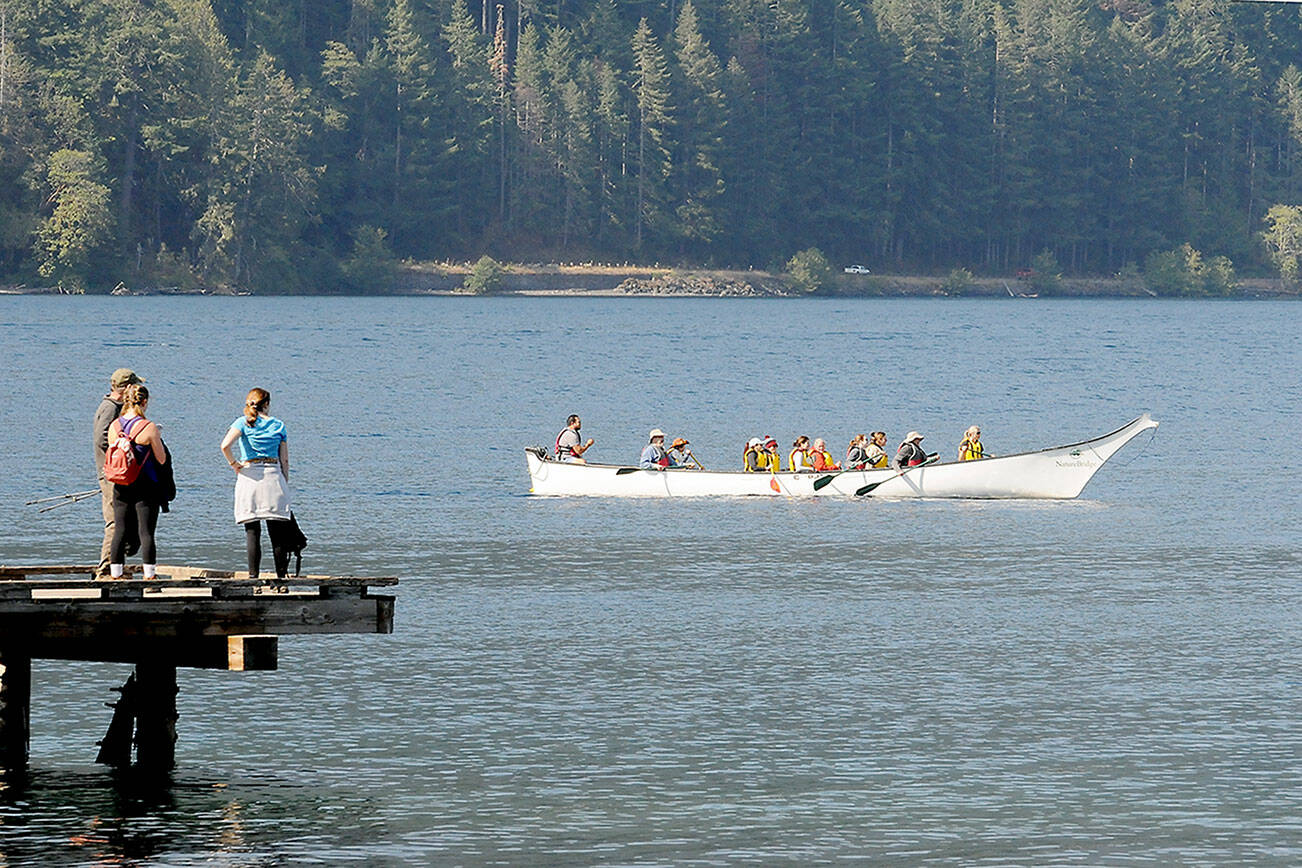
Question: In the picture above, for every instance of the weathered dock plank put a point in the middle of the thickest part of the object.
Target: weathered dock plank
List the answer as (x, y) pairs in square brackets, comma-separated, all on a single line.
[(188, 617)]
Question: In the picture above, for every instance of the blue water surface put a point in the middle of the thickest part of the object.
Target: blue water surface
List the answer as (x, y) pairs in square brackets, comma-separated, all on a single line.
[(1114, 679)]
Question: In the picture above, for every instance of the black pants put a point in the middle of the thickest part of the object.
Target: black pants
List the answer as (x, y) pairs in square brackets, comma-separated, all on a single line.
[(133, 519), (279, 533)]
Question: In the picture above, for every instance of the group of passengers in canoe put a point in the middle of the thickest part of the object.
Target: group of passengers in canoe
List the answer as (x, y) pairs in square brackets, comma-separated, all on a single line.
[(761, 454)]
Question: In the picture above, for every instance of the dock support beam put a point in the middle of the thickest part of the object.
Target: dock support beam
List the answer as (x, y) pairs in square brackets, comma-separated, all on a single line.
[(156, 715), (15, 706)]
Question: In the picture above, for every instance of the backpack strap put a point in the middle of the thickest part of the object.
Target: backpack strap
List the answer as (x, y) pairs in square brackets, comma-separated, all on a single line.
[(128, 430)]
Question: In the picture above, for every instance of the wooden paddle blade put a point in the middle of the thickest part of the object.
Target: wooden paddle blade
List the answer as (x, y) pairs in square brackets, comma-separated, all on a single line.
[(621, 471), (868, 489)]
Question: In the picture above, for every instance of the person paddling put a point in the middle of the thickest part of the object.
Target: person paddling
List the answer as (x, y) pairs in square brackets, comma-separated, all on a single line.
[(823, 460), (680, 455), (799, 459), (856, 456), (875, 451), (654, 456), (910, 453), (971, 448), (569, 446)]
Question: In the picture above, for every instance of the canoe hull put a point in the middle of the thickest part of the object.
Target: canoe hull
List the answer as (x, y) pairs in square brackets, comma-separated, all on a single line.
[(1061, 472)]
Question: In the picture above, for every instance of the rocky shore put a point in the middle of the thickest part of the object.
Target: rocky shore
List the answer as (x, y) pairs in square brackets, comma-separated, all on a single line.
[(703, 284), (599, 280), (626, 281)]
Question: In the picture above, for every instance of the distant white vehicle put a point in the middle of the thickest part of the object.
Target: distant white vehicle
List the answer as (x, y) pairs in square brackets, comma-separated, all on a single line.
[(857, 269)]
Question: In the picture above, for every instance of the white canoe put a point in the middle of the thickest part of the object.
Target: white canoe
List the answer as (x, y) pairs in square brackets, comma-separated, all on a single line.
[(1060, 472)]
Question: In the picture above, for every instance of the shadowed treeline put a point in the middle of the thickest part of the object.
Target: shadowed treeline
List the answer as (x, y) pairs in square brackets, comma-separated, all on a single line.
[(306, 145)]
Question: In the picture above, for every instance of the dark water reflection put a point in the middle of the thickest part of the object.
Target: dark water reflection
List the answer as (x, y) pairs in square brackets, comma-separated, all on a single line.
[(1113, 679)]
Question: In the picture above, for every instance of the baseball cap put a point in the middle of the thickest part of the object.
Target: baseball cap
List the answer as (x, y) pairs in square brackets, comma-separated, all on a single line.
[(124, 377)]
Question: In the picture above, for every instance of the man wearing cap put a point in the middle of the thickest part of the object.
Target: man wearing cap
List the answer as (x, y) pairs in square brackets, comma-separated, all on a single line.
[(910, 453), (773, 458), (654, 456), (750, 459), (109, 409)]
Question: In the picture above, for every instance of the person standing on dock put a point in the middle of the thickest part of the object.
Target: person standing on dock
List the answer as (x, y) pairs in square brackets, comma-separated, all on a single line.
[(109, 409), (136, 504), (261, 481)]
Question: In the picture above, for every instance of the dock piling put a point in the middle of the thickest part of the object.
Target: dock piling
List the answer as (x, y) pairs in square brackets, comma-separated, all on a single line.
[(15, 706), (155, 715), (115, 746)]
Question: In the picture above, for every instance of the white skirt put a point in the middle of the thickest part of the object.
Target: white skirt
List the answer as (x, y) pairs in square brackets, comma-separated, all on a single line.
[(261, 492)]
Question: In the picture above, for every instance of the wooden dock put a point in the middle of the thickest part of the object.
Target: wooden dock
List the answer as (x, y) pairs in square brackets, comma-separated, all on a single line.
[(186, 617)]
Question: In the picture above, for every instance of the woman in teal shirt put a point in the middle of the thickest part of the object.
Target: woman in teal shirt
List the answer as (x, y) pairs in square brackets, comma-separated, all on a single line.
[(261, 480)]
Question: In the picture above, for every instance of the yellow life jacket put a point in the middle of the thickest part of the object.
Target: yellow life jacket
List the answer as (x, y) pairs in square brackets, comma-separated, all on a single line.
[(799, 460), (752, 455), (970, 451), (772, 461)]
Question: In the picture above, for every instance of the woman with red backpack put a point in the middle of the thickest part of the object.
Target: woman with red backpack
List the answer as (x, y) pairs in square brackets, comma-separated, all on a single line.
[(134, 464)]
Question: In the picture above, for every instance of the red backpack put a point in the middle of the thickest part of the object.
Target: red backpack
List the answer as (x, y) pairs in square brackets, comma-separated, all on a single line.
[(122, 461)]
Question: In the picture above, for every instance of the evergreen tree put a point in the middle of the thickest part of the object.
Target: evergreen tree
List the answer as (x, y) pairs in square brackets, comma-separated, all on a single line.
[(611, 144), (654, 119), (264, 192), (471, 94), (80, 222), (702, 117), (417, 152)]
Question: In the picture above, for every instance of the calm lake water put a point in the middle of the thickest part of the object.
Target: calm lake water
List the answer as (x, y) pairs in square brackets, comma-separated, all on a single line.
[(1115, 679)]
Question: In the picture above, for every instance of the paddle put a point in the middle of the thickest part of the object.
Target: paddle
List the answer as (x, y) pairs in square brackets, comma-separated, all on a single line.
[(872, 486), (822, 481), (76, 498), (621, 471), (75, 494)]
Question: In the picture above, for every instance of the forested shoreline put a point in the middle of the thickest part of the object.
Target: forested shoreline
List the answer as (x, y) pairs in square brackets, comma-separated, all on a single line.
[(311, 145)]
